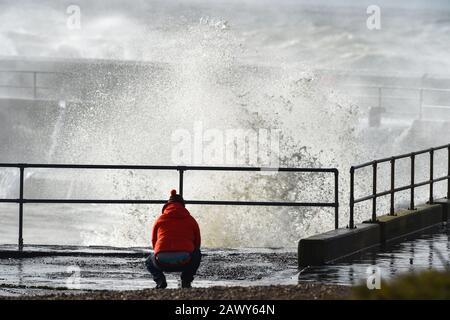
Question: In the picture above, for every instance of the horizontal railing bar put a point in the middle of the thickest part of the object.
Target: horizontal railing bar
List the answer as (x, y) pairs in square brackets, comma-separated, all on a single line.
[(197, 202), (88, 201), (402, 156), (23, 87), (11, 86), (385, 97), (265, 203), (377, 97), (9, 200), (398, 88), (70, 166), (155, 167), (31, 71), (371, 163), (379, 194), (435, 106), (399, 189), (264, 169)]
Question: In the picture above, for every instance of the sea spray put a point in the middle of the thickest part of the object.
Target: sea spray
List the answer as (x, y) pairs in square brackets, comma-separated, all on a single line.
[(258, 72)]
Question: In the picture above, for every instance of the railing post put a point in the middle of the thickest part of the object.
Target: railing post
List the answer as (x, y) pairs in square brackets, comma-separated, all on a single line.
[(34, 85), (392, 208), (351, 224), (421, 104), (431, 174), (180, 186), (336, 199), (448, 174), (22, 169), (413, 173), (380, 97), (374, 192)]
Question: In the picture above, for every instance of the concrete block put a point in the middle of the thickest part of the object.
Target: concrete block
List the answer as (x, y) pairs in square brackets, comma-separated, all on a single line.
[(327, 247), (445, 203), (407, 222)]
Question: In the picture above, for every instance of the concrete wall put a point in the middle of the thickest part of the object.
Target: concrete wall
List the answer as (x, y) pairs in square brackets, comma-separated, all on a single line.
[(445, 203), (333, 245), (407, 222), (326, 247)]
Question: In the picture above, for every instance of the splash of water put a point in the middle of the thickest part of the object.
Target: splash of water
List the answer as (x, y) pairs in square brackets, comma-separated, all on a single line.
[(206, 82), (9, 183), (56, 130), (218, 76)]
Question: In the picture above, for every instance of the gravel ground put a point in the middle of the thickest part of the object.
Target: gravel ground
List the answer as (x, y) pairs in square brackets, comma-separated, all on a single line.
[(304, 291), (225, 274)]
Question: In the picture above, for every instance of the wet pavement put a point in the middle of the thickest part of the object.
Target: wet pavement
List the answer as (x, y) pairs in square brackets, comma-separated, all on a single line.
[(81, 269), (126, 271), (428, 250)]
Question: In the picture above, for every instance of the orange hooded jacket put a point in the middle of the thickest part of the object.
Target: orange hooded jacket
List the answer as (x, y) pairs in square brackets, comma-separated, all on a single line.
[(175, 230)]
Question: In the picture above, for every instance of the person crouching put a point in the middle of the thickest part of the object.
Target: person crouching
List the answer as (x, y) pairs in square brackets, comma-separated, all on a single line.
[(176, 243)]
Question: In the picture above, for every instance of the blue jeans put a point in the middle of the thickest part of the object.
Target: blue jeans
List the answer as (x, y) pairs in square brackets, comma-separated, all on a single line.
[(188, 270)]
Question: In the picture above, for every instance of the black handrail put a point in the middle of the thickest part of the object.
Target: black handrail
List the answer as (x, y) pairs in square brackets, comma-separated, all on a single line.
[(393, 189), (181, 169)]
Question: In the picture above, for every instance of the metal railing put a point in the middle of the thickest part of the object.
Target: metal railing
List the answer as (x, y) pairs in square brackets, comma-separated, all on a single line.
[(31, 85), (181, 170), (33, 78), (413, 184), (382, 95)]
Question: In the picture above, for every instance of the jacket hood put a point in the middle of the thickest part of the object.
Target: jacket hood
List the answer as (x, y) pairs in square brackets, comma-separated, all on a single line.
[(174, 210)]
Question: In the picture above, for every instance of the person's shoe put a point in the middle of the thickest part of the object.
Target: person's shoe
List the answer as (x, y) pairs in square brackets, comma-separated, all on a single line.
[(186, 284), (161, 283)]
